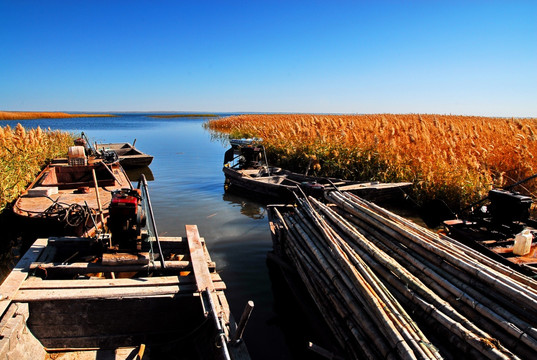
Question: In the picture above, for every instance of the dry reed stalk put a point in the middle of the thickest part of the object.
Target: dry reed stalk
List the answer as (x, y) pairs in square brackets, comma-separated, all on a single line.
[(23, 153), (456, 158)]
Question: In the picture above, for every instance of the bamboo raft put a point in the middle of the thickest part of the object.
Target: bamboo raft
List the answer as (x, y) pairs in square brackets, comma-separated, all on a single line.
[(60, 303), (390, 289)]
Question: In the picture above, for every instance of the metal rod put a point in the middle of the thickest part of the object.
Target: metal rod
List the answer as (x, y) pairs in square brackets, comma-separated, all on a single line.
[(218, 325), (143, 181)]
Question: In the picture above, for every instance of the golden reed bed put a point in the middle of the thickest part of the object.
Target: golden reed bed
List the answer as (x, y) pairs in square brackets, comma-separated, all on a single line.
[(454, 158), (21, 115), (23, 153)]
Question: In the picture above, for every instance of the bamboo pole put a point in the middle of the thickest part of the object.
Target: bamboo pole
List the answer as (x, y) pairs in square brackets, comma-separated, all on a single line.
[(362, 260), (360, 287), (409, 279), (506, 321), (509, 324), (479, 272), (309, 275)]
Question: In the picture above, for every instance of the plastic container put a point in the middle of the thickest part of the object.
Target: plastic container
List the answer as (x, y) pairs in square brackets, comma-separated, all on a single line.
[(523, 243), (77, 156)]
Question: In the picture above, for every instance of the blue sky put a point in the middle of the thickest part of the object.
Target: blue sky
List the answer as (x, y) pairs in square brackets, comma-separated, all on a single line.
[(444, 57)]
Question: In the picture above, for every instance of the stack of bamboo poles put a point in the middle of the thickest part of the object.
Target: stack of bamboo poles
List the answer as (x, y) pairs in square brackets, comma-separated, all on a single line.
[(391, 289)]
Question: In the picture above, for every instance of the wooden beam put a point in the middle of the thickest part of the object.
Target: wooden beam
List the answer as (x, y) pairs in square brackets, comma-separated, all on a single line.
[(108, 292), (34, 283), (38, 283), (85, 268), (117, 259), (16, 277), (198, 259)]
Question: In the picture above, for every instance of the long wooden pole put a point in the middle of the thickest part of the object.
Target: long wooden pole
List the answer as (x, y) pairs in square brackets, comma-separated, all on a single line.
[(99, 206)]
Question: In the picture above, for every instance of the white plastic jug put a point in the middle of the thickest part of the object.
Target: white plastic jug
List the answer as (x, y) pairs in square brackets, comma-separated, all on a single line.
[(523, 243)]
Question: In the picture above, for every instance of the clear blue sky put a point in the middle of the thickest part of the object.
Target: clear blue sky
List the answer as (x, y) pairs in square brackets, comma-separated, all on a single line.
[(458, 57)]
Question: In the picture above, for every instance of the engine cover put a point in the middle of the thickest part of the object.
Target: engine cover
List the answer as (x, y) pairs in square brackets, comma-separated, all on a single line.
[(126, 218)]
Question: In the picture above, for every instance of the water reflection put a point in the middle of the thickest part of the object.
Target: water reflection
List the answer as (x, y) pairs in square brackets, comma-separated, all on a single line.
[(249, 208), (135, 173)]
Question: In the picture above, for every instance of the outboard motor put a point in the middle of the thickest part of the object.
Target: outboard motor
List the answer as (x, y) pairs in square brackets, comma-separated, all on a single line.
[(126, 218), (109, 156)]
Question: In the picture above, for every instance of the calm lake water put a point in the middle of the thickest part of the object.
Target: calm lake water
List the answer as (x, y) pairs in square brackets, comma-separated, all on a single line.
[(188, 188)]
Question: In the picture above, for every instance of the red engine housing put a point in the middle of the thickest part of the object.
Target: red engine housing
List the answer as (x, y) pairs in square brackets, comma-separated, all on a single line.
[(126, 217)]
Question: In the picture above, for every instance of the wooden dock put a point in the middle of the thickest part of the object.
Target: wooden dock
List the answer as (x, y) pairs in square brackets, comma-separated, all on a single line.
[(56, 304)]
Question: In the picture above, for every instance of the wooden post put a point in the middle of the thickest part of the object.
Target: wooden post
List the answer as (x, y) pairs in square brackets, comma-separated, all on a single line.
[(237, 337)]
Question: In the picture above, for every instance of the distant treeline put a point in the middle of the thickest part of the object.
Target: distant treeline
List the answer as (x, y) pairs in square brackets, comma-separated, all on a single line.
[(183, 115), (27, 115)]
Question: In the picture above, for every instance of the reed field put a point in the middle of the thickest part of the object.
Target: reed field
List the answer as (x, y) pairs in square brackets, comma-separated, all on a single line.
[(23, 153), (21, 115), (454, 158)]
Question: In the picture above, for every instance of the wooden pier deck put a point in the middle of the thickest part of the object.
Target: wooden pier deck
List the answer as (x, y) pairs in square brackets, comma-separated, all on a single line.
[(77, 308)]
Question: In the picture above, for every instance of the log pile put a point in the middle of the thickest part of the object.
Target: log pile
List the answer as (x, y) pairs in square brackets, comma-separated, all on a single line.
[(390, 289)]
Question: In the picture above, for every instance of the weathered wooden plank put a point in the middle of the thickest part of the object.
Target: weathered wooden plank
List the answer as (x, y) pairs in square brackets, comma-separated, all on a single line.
[(176, 239), (108, 292), (100, 293), (19, 273), (205, 251), (122, 353), (38, 284), (84, 268), (8, 314), (199, 261), (117, 259)]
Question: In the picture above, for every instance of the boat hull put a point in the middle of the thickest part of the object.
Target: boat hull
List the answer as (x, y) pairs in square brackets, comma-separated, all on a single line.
[(108, 307), (280, 184), (63, 200), (129, 156)]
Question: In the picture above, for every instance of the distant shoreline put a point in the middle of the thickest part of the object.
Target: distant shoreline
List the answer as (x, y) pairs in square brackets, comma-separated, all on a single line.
[(183, 115), (29, 115)]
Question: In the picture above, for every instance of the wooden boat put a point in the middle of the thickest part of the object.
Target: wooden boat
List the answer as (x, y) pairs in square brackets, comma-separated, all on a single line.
[(52, 307), (246, 169), (125, 294), (129, 156), (493, 230), (71, 196)]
